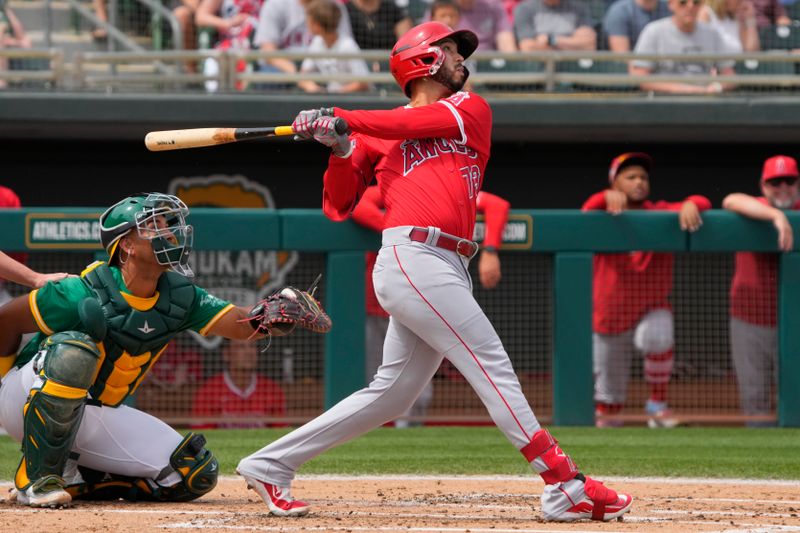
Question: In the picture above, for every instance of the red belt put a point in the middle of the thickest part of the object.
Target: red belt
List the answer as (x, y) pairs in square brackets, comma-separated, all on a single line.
[(462, 247)]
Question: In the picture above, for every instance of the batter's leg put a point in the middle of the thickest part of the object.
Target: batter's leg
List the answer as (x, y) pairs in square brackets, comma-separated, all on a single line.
[(429, 291), (408, 365), (375, 336)]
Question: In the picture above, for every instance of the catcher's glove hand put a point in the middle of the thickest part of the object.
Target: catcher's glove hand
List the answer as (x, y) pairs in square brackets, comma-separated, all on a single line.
[(284, 310)]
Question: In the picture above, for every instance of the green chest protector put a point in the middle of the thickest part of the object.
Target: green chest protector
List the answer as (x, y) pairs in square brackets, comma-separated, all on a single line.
[(135, 338)]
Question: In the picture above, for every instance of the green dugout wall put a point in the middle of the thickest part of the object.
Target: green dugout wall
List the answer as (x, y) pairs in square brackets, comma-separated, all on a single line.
[(569, 235)]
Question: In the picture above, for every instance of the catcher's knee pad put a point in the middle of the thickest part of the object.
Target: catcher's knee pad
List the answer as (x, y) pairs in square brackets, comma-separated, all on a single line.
[(196, 466), (654, 333), (52, 414), (198, 469)]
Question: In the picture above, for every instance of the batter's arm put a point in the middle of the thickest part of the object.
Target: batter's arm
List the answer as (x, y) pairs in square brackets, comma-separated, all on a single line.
[(450, 118), (345, 180), (369, 210)]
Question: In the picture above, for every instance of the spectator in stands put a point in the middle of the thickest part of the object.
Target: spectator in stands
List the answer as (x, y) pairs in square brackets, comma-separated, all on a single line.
[(770, 13), (323, 20), (239, 391), (735, 20), (489, 21), (625, 20), (235, 22), (632, 313), (184, 11), (553, 25), (12, 34), (377, 24), (446, 12), (369, 212), (681, 33), (282, 26), (753, 297)]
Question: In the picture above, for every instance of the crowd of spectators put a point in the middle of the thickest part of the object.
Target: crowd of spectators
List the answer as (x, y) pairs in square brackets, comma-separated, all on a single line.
[(665, 27)]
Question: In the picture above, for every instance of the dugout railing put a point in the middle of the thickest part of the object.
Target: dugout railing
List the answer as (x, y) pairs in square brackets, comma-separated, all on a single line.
[(567, 238)]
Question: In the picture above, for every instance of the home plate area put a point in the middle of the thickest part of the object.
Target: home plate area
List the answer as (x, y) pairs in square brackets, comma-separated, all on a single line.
[(433, 504)]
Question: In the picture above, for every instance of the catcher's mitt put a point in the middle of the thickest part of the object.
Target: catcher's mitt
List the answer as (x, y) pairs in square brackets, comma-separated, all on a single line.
[(284, 310)]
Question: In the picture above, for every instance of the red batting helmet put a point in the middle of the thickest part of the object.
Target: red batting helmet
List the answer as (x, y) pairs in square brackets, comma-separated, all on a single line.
[(416, 55)]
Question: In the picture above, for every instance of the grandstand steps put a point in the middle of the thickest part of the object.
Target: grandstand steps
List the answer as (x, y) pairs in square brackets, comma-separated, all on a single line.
[(33, 17), (69, 30)]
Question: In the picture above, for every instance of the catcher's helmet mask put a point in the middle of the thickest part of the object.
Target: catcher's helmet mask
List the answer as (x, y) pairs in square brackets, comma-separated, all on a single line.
[(416, 54), (158, 218)]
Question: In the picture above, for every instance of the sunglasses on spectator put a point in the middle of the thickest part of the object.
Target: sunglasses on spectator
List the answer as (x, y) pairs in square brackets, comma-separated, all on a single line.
[(777, 182), (693, 2)]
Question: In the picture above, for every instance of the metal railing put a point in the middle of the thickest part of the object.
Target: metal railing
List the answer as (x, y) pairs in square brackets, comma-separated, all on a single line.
[(545, 72)]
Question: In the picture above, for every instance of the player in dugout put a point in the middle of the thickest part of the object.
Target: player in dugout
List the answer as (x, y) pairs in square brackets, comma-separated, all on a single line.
[(632, 312), (428, 158), (97, 337)]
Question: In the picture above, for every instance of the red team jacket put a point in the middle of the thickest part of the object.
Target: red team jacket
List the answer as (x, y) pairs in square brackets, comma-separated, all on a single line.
[(626, 286), (754, 290), (369, 212), (217, 397), (429, 162)]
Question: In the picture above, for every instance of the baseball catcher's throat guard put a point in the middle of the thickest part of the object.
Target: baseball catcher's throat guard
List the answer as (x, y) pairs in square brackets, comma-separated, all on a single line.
[(281, 312)]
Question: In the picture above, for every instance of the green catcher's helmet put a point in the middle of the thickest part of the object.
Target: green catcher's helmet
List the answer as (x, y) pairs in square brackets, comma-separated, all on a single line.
[(158, 218)]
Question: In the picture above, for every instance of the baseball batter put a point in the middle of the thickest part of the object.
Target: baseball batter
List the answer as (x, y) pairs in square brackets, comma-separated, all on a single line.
[(632, 312), (429, 159), (754, 299), (98, 335), (370, 212)]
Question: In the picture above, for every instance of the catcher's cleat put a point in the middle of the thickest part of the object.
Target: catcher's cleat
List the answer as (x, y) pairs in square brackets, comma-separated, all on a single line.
[(278, 499), (577, 499), (45, 492)]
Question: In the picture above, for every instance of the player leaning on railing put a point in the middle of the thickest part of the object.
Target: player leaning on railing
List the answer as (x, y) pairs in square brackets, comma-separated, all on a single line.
[(98, 335)]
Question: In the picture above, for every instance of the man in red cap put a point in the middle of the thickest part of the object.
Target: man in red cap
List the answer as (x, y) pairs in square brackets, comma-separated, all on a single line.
[(428, 158), (632, 312), (753, 300)]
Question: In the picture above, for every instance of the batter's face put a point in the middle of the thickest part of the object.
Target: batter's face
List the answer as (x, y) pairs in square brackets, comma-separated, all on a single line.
[(452, 74), (781, 192), (634, 182)]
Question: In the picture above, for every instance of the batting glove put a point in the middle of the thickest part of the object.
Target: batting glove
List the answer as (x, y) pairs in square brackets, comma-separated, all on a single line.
[(303, 121), (324, 131)]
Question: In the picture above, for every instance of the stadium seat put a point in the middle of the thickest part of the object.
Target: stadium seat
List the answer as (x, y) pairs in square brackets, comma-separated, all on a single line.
[(780, 37)]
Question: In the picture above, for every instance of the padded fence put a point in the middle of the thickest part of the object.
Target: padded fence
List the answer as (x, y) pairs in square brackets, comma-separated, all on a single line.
[(542, 311)]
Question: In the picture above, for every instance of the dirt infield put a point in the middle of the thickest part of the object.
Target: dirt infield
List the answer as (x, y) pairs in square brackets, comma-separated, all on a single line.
[(446, 505)]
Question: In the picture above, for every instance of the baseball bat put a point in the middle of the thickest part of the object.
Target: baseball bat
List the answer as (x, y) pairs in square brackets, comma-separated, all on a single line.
[(158, 141)]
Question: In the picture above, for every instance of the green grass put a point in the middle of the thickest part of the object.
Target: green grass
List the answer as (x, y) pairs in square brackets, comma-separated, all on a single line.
[(694, 452)]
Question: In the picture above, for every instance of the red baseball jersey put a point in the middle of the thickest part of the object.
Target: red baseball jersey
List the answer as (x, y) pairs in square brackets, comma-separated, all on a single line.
[(10, 200), (219, 397), (754, 289), (626, 286), (429, 162), (369, 212)]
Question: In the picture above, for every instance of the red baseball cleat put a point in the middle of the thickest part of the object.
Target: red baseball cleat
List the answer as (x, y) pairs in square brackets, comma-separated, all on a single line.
[(583, 500), (278, 499)]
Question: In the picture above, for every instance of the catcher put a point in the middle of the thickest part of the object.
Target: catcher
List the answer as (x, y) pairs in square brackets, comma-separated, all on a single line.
[(98, 335)]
